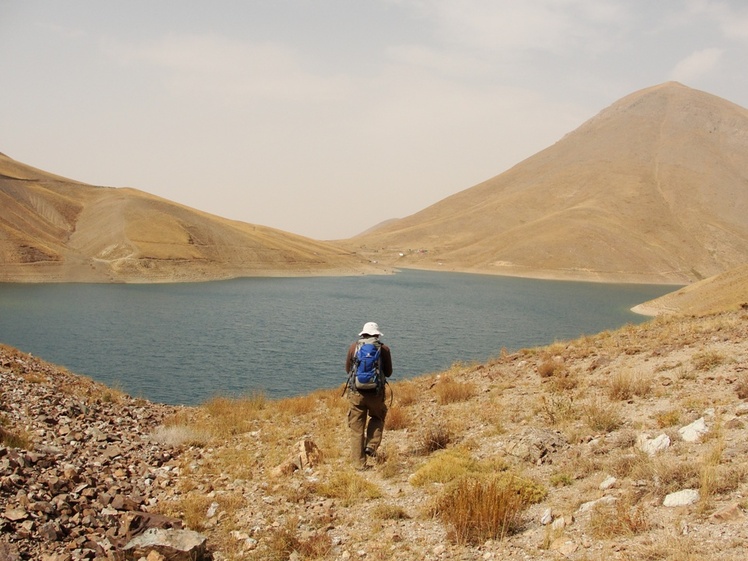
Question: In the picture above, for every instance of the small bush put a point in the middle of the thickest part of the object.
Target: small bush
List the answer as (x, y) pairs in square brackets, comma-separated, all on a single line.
[(397, 418), (349, 487), (707, 360), (561, 479), (548, 368), (557, 409), (445, 466), (625, 384), (435, 436), (449, 390), (477, 508), (602, 417)]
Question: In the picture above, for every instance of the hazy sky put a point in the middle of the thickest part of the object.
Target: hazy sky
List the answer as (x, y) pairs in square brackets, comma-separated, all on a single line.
[(325, 117)]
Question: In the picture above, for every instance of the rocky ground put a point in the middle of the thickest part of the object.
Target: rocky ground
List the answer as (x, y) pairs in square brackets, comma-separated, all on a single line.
[(636, 438), (78, 472)]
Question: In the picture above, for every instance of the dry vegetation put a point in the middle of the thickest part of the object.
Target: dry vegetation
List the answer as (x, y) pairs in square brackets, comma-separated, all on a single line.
[(473, 458)]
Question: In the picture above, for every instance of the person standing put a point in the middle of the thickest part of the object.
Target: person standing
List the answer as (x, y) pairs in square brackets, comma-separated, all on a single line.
[(367, 409)]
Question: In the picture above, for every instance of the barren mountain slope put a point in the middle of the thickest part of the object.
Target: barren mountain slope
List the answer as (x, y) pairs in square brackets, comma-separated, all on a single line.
[(720, 293), (652, 189), (54, 229)]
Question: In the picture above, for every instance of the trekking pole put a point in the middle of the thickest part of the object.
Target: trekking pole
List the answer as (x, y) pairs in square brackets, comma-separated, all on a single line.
[(347, 383)]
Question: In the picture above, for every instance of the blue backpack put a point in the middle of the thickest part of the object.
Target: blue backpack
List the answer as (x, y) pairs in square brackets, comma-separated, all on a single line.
[(367, 362)]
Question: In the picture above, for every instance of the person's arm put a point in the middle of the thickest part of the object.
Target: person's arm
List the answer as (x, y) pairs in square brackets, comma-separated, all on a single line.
[(349, 358), (386, 361)]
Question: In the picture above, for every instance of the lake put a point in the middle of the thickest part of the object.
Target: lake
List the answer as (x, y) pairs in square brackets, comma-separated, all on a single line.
[(186, 343)]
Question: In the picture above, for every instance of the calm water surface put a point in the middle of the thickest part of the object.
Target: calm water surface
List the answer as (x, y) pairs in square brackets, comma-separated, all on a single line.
[(184, 343)]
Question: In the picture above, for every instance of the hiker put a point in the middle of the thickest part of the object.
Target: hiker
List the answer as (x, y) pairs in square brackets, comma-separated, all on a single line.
[(368, 364)]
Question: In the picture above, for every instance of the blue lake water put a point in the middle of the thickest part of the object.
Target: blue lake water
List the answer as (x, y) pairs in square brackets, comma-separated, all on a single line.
[(185, 343)]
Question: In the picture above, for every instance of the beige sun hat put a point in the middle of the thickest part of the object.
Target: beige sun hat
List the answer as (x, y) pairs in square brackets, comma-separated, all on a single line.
[(370, 328)]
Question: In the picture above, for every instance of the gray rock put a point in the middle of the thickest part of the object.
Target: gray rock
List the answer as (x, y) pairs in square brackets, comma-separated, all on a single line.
[(592, 504), (535, 445), (694, 431), (681, 498), (607, 483), (652, 446), (175, 545)]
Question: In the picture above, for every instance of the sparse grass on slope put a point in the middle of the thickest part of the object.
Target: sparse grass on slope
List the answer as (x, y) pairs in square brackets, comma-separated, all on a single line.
[(559, 419), (544, 457)]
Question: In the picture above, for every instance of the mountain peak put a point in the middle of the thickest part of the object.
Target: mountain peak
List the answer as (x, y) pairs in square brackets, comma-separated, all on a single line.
[(651, 189)]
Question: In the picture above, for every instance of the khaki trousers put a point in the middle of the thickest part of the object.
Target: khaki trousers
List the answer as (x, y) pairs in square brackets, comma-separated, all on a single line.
[(364, 435)]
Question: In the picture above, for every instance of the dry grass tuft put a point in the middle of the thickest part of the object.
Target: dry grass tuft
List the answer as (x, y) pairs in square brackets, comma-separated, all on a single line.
[(406, 392), (601, 416), (669, 418), (477, 508), (284, 542), (15, 439), (707, 360), (397, 419), (449, 465), (389, 512), (194, 507), (548, 368), (558, 409), (618, 519), (349, 487), (624, 385), (435, 436), (448, 390)]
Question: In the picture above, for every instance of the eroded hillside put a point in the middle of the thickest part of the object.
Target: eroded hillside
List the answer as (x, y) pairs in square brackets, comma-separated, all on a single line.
[(56, 230)]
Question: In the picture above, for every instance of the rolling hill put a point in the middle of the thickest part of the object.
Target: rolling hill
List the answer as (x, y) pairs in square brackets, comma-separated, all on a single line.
[(54, 229), (652, 189)]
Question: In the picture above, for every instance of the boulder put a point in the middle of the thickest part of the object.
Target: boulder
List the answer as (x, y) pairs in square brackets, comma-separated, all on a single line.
[(172, 544)]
